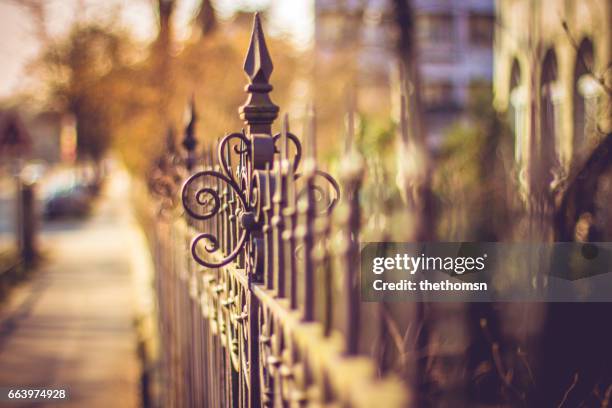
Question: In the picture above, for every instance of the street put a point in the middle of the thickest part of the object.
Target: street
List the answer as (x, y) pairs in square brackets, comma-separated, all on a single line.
[(71, 325)]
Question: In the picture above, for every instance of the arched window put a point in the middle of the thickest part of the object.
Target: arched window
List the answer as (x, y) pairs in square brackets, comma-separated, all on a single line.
[(549, 123), (516, 110), (585, 98)]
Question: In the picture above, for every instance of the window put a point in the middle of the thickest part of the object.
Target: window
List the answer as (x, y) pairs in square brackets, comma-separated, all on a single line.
[(549, 118), (481, 29), (435, 28), (586, 98), (438, 95), (516, 111), (479, 88)]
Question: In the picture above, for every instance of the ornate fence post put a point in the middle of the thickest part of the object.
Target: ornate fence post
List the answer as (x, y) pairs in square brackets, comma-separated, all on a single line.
[(348, 248), (259, 111), (27, 220), (189, 141), (280, 203), (238, 194), (258, 114), (305, 232), (252, 216)]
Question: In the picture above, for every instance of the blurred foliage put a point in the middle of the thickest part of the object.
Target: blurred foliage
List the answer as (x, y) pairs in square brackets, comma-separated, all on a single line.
[(87, 74), (376, 139), (210, 70), (127, 96), (376, 135), (473, 178)]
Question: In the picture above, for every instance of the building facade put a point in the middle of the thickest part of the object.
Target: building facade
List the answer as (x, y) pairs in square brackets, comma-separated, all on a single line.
[(454, 37), (551, 71)]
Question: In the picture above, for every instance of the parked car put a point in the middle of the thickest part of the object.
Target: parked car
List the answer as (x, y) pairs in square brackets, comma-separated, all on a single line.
[(71, 190), (75, 201)]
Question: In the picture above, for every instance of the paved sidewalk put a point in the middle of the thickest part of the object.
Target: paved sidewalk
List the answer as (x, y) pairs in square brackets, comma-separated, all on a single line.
[(71, 326)]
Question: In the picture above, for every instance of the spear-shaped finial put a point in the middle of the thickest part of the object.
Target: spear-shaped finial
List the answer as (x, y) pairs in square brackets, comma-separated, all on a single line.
[(258, 112), (189, 140), (285, 140), (258, 65), (311, 134), (352, 164), (350, 122), (286, 167)]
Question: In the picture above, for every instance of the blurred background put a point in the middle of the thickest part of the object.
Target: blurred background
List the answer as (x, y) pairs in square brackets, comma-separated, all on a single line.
[(477, 120), (83, 79)]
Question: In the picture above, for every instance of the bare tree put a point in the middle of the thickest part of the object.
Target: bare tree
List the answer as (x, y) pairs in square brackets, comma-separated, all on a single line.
[(414, 172), (205, 19)]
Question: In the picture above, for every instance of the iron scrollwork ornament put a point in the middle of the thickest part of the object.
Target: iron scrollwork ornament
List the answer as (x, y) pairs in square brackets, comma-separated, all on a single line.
[(234, 190), (166, 175), (201, 198), (172, 167)]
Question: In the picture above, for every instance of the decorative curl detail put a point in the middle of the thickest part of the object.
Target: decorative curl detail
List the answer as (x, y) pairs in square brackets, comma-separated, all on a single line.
[(298, 148), (212, 247), (207, 194), (223, 152), (334, 195), (335, 187)]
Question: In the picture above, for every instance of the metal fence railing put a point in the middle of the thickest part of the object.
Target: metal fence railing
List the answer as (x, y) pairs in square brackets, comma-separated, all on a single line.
[(257, 259), (247, 278)]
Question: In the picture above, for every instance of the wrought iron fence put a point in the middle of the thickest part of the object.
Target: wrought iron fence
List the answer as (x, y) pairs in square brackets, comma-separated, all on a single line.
[(245, 276), (256, 250)]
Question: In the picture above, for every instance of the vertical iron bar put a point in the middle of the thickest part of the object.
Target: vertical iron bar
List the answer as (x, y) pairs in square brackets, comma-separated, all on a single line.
[(352, 173)]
